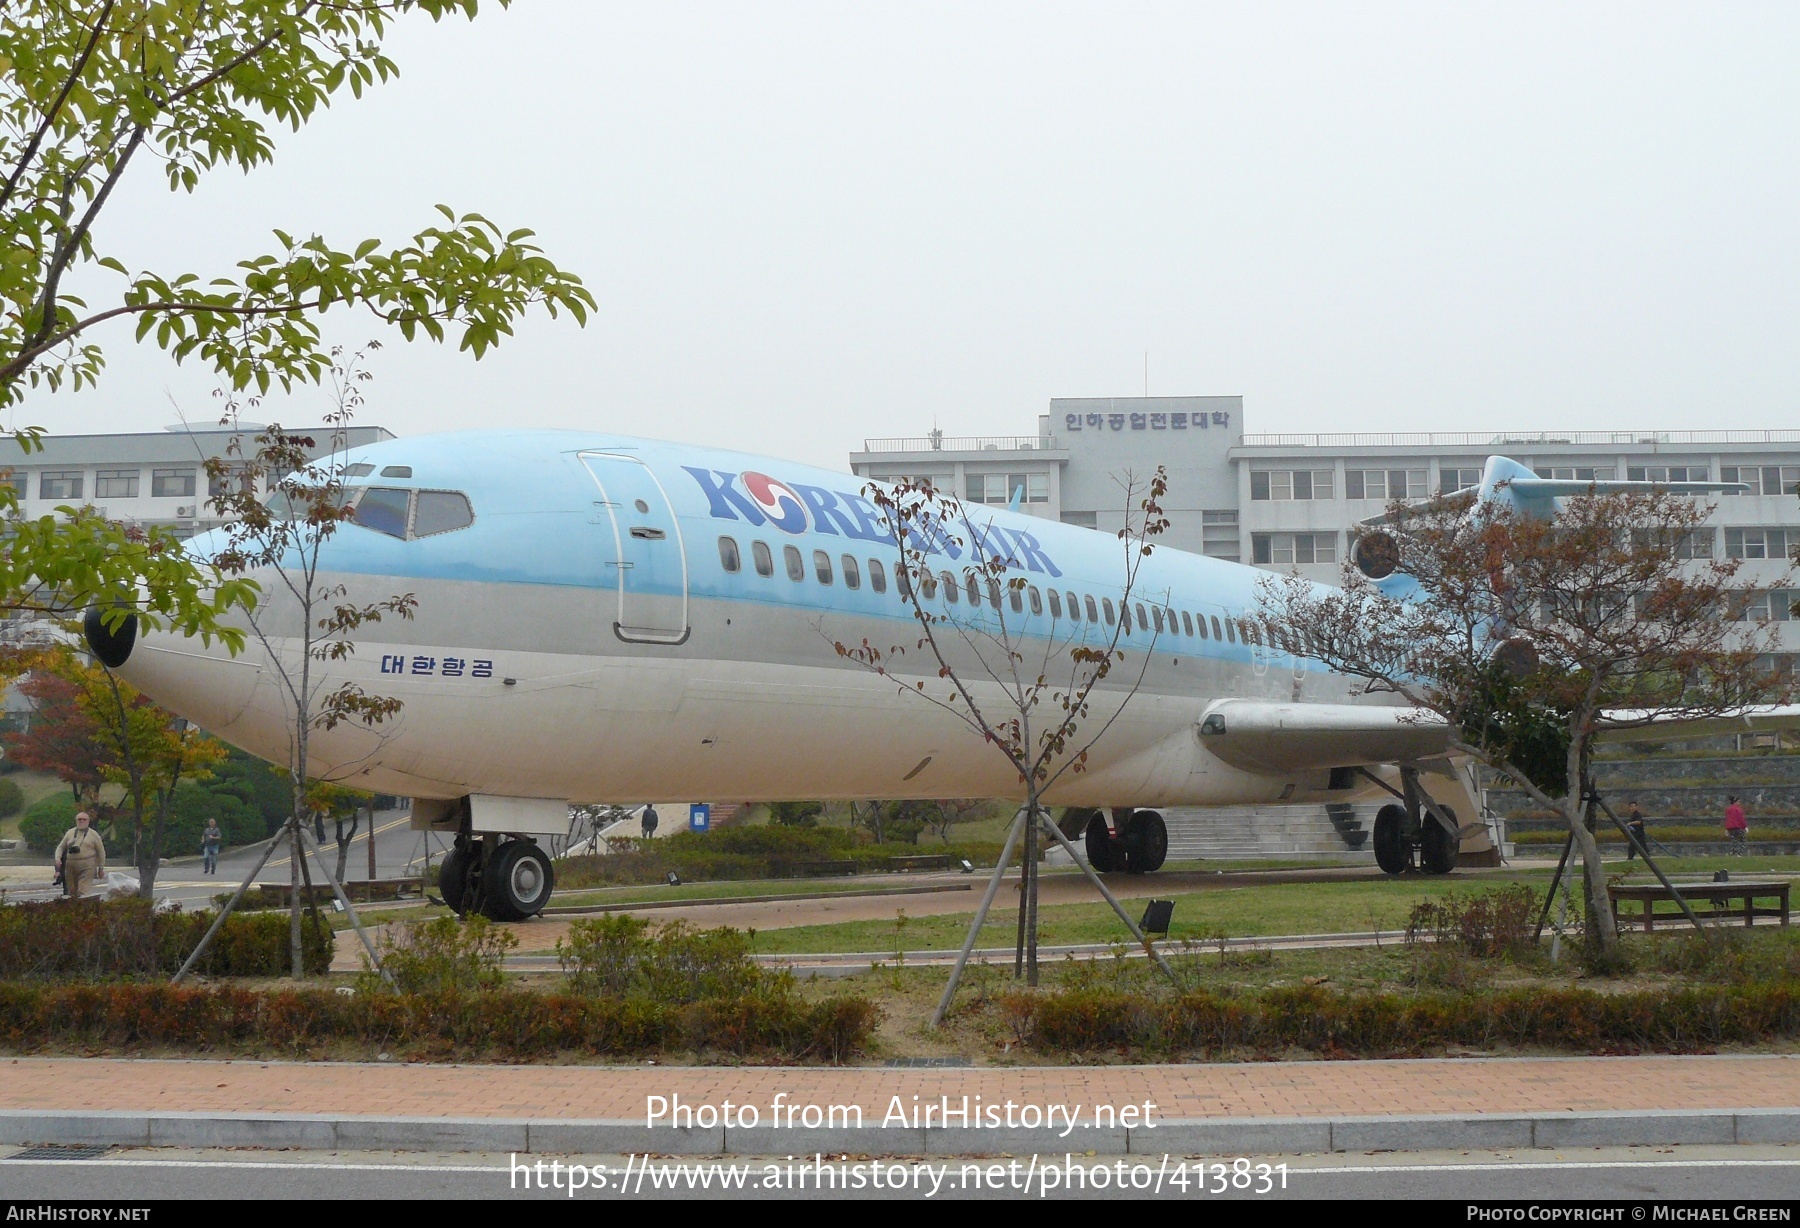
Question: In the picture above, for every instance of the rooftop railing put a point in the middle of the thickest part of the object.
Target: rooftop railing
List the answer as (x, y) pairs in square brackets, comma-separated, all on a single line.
[(963, 443), (1513, 439)]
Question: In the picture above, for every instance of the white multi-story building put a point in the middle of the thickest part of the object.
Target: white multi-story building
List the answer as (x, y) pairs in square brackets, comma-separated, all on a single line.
[(143, 478), (1290, 502)]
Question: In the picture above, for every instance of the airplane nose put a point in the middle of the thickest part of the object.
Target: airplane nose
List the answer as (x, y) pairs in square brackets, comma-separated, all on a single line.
[(112, 645)]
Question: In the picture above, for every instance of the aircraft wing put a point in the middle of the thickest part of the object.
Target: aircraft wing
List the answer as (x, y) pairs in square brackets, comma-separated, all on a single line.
[(1645, 725), (1276, 738)]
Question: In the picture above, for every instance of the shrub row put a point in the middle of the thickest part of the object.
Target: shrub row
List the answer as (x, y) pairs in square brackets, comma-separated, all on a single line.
[(499, 1025), (750, 852), (1664, 832), (128, 937), (1374, 1024)]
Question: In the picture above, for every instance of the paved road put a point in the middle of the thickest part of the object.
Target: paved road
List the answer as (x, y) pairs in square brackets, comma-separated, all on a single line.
[(397, 849), (1676, 1173)]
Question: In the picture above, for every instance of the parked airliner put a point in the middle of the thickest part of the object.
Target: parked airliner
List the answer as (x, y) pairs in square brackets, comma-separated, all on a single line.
[(604, 618)]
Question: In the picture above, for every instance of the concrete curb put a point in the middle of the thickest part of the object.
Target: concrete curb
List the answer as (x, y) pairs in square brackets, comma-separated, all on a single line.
[(1217, 1136)]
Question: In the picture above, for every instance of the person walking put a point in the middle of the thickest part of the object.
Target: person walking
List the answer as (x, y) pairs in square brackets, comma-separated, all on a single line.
[(1634, 827), (81, 857), (1737, 827), (210, 839), (647, 822)]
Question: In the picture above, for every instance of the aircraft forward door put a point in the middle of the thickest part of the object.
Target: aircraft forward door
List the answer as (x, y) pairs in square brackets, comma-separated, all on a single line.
[(645, 561)]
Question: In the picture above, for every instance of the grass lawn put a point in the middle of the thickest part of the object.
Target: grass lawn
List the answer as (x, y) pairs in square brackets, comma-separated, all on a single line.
[(36, 786), (1240, 912)]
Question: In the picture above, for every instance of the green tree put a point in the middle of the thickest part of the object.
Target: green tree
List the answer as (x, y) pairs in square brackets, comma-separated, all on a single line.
[(89, 90)]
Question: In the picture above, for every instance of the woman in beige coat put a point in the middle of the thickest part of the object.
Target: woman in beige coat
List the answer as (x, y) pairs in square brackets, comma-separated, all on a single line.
[(81, 855)]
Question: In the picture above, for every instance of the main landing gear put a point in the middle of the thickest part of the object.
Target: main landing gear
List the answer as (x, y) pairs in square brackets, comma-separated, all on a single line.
[(1419, 835), (502, 878), (1137, 841)]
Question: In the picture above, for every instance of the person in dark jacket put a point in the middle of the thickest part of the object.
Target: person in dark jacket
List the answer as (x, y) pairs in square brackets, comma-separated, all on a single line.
[(1634, 827), (648, 821)]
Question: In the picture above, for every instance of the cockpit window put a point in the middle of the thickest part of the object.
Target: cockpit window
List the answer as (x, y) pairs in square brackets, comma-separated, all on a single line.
[(396, 471), (359, 470), (383, 509), (441, 511)]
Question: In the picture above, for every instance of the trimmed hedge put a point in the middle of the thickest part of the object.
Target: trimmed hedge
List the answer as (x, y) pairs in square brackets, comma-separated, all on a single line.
[(128, 937), (772, 851), (1400, 1025), (499, 1025)]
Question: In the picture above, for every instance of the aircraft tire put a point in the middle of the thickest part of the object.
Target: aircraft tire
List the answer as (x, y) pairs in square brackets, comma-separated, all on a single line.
[(1101, 847), (452, 879), (1440, 849), (1393, 851), (518, 883), (1146, 842)]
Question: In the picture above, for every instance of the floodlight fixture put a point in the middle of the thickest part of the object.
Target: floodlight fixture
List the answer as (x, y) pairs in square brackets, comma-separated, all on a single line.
[(1157, 916), (673, 879), (968, 867)]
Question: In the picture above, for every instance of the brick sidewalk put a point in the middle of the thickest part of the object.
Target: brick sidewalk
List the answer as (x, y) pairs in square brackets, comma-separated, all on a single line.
[(1473, 1086)]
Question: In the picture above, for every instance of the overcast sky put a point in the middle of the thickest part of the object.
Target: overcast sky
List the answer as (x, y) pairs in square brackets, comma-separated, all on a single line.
[(810, 224)]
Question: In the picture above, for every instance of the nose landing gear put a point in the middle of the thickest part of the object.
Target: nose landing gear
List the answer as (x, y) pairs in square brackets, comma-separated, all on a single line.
[(503, 879)]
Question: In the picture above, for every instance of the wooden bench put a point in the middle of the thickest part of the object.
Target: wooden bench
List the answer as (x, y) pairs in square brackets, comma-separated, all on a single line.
[(921, 861), (360, 890), (1716, 894)]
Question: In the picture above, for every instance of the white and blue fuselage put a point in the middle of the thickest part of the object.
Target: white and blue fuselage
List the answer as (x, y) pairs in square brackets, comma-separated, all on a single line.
[(603, 618)]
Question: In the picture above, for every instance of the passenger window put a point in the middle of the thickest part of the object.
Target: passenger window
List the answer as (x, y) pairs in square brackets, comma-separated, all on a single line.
[(902, 585), (1217, 634), (1200, 622), (1016, 599), (952, 593), (796, 566), (822, 566), (852, 577), (1106, 609), (1124, 617), (765, 563), (974, 590), (383, 509), (1230, 631), (1037, 602), (1187, 624), (1157, 611), (1250, 635), (927, 585), (728, 554), (1055, 604), (994, 594), (440, 511), (1092, 615), (877, 576)]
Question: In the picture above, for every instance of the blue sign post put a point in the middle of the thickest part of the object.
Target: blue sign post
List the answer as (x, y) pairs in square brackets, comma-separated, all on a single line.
[(700, 816)]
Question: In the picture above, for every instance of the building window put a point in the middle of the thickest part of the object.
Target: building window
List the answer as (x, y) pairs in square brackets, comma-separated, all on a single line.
[(822, 566), (1452, 478), (1003, 487), (20, 482), (1285, 549), (877, 576), (796, 566), (765, 562), (1580, 473), (1385, 484), (1667, 473), (852, 577), (59, 484), (1697, 544), (728, 554), (1084, 520), (115, 483), (1219, 535), (1760, 543), (172, 483), (1763, 479), (1280, 484)]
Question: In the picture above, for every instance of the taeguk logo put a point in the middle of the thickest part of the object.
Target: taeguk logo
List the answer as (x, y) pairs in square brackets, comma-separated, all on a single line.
[(777, 501)]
